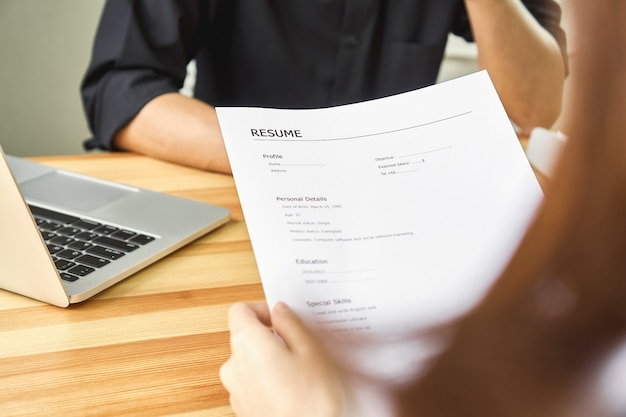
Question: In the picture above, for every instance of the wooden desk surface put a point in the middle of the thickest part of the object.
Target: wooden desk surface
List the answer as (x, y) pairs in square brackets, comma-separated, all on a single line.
[(151, 345)]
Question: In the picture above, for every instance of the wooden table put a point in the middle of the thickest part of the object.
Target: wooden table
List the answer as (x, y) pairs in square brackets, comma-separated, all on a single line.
[(151, 345)]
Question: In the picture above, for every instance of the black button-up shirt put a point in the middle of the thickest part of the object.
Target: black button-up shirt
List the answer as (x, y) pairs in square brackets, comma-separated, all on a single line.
[(270, 53)]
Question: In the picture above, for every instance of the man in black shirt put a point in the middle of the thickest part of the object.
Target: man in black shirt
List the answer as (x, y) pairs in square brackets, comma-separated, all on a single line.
[(300, 54)]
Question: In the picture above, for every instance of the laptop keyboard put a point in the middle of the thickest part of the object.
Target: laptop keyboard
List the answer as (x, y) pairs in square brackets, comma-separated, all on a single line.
[(80, 246)]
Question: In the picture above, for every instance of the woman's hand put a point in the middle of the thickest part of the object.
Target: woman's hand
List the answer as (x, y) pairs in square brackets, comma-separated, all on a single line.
[(267, 376)]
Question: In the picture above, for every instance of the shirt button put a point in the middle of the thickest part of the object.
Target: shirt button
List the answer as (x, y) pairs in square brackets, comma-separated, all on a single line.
[(353, 41)]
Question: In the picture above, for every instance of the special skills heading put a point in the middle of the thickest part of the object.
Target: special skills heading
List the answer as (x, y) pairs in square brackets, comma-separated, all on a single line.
[(276, 133)]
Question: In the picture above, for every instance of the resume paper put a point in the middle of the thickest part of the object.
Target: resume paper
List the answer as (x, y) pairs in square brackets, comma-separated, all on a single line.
[(383, 217)]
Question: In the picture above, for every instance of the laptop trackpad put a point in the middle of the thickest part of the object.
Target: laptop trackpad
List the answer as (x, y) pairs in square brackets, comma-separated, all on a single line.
[(72, 191)]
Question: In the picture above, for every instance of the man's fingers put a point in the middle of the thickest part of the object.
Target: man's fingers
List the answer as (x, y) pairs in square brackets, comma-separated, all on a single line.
[(241, 315), (249, 330), (226, 374), (262, 312), (292, 330)]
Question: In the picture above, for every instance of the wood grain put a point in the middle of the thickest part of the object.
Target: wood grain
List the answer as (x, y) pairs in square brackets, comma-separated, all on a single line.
[(151, 345)]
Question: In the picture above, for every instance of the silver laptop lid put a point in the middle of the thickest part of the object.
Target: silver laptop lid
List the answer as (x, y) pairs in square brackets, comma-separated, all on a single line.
[(26, 266)]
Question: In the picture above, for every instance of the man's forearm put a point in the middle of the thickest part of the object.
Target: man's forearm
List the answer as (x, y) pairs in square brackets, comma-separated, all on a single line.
[(523, 60), (177, 129)]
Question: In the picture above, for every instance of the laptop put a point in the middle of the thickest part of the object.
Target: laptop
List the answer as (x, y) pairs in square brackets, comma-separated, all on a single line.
[(65, 236)]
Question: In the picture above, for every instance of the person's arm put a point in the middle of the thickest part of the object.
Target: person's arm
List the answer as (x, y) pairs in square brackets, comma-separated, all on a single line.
[(131, 88), (267, 376), (523, 60), (178, 129)]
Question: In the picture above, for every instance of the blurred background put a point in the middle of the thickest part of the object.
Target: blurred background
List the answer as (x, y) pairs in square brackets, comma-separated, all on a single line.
[(45, 47)]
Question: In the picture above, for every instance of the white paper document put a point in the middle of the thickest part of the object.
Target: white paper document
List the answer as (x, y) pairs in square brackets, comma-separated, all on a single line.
[(387, 216)]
